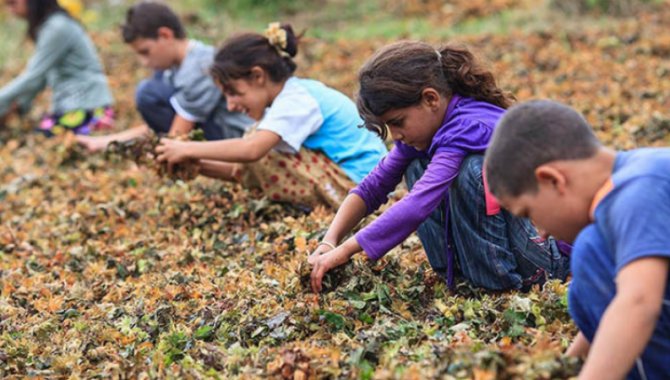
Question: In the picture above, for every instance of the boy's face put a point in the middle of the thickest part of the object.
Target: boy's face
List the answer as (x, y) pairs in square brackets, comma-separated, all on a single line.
[(554, 208), (158, 53)]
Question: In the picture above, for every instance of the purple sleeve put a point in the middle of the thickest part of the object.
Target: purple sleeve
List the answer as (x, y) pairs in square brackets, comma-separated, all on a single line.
[(404, 217), (383, 179)]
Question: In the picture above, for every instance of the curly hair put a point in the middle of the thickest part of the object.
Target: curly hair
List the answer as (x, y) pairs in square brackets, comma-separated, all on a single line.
[(395, 76)]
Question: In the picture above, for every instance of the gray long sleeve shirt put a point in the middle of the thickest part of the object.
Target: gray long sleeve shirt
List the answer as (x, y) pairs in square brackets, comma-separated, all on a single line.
[(65, 60)]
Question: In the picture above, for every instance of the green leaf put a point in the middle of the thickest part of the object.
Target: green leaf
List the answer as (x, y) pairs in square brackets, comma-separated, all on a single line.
[(204, 333)]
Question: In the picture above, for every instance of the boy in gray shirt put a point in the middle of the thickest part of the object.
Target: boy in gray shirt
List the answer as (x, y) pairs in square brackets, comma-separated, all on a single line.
[(180, 95)]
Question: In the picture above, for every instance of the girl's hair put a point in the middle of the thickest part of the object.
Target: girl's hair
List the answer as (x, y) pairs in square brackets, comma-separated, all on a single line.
[(397, 74), (38, 12), (241, 53)]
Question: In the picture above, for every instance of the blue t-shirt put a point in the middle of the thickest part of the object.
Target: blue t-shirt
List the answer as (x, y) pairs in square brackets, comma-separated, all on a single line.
[(630, 222), (310, 114)]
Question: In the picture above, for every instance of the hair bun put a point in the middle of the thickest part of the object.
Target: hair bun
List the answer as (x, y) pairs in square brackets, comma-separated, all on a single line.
[(282, 37), (291, 40)]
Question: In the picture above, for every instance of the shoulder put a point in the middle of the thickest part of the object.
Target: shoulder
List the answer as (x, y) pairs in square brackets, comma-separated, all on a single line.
[(640, 163), (295, 94), (59, 23), (199, 56), (196, 64), (199, 50), (640, 177), (468, 111)]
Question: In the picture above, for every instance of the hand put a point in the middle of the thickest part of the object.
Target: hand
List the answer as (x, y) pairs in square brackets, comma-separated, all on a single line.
[(322, 263), (94, 143), (320, 250), (13, 109), (172, 151)]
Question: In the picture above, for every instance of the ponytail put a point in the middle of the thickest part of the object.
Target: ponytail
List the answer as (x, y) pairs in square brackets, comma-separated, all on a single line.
[(467, 77), (396, 75)]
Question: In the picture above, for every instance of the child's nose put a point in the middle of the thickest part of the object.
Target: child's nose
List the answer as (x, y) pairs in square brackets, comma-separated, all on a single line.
[(232, 106)]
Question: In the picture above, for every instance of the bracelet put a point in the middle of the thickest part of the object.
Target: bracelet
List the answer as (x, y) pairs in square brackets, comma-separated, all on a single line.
[(324, 242)]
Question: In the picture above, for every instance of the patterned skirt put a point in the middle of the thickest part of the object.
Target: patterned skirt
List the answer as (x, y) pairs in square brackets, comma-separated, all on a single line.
[(307, 178)]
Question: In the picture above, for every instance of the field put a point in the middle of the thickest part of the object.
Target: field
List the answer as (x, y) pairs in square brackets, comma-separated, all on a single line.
[(109, 270)]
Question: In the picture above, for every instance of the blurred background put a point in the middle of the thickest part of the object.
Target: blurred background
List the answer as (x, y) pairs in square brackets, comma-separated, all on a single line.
[(608, 58)]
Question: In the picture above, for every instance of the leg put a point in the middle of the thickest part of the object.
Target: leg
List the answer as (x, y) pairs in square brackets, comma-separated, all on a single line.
[(482, 243), (152, 99), (223, 124), (499, 251), (307, 178), (537, 258), (432, 231)]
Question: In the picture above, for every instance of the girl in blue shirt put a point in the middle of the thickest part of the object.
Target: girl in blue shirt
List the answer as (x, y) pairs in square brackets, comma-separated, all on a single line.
[(306, 148)]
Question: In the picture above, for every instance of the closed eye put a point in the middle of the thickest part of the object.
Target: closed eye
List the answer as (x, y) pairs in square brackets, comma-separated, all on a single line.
[(396, 123)]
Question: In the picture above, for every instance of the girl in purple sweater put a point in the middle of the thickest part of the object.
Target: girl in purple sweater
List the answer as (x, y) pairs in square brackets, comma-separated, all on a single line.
[(440, 107)]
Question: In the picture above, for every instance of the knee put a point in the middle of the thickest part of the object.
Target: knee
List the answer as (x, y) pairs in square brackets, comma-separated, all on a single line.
[(470, 178), (144, 96), (414, 171)]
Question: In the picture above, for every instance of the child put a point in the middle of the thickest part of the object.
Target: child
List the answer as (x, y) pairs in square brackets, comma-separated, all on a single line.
[(546, 163), (307, 147), (440, 107), (180, 95), (64, 60)]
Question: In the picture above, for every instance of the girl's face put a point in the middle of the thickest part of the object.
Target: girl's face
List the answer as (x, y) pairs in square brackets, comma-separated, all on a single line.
[(18, 8), (250, 96), (416, 125)]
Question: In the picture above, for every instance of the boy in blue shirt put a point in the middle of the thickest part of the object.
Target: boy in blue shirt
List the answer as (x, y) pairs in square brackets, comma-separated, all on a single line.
[(544, 162)]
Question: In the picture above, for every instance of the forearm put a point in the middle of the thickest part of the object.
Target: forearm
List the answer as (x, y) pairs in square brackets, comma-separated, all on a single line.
[(130, 134), (248, 149), (219, 170), (351, 247), (350, 213), (624, 331), (579, 346), (180, 126)]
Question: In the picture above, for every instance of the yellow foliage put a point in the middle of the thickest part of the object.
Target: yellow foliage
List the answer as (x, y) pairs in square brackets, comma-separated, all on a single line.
[(74, 7)]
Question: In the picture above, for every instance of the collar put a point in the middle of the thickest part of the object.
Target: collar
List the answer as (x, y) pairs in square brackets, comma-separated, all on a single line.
[(602, 192)]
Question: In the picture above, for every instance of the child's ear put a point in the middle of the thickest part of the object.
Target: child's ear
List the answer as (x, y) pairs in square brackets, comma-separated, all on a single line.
[(165, 32), (549, 176), (257, 75), (431, 98)]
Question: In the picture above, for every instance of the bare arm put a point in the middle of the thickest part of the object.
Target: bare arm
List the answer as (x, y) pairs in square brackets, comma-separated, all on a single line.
[(350, 213), (321, 264), (323, 259), (220, 170), (249, 149), (97, 143), (629, 320), (180, 126), (579, 346)]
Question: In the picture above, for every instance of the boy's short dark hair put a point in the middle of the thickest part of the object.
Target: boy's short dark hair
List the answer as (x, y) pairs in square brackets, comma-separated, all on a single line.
[(145, 18), (532, 134)]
